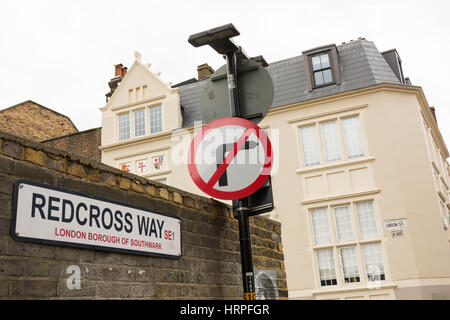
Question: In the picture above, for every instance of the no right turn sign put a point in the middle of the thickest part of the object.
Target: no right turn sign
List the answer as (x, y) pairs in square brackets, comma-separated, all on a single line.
[(230, 158)]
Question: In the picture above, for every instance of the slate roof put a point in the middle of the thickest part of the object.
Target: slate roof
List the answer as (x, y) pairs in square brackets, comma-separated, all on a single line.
[(360, 62)]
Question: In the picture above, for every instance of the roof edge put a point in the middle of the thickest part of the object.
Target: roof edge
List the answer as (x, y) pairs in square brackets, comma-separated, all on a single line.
[(40, 105), (70, 134)]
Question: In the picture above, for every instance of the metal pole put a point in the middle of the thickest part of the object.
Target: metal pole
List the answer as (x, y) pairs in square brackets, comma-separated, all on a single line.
[(242, 210)]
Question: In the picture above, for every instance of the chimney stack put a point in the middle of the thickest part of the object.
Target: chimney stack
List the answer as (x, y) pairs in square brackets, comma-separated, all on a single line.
[(260, 60), (433, 112), (119, 72), (204, 71)]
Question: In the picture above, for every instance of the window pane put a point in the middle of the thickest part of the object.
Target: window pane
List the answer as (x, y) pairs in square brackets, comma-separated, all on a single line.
[(310, 143), (373, 261), (318, 78), (353, 137), (139, 123), (366, 220), (155, 119), (349, 261), (124, 126), (316, 64), (321, 61), (327, 76), (331, 141), (343, 221), (325, 60), (321, 226), (327, 272)]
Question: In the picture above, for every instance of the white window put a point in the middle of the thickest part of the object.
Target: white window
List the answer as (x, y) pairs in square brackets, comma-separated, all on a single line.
[(139, 123), (331, 142), (343, 220), (321, 226), (155, 119), (124, 126), (325, 263), (310, 143), (373, 261), (366, 220), (329, 247), (353, 137), (321, 69), (349, 262)]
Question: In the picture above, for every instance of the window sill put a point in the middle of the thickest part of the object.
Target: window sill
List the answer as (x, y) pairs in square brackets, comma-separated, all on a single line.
[(346, 243), (131, 104), (340, 196), (352, 288), (132, 141), (335, 165), (154, 174), (323, 85)]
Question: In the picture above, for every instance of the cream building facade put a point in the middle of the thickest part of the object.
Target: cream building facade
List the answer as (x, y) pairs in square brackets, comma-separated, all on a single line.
[(360, 179)]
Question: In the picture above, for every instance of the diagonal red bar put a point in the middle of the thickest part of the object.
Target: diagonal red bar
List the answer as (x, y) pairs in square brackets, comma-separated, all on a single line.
[(230, 156)]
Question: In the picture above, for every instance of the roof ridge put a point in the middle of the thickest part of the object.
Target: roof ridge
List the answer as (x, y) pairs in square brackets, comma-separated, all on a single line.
[(40, 105)]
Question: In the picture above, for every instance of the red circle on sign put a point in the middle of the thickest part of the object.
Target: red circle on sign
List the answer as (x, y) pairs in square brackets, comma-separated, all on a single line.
[(207, 186)]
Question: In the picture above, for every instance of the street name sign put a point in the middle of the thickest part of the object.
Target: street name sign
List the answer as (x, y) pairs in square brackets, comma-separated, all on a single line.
[(49, 215), (230, 158)]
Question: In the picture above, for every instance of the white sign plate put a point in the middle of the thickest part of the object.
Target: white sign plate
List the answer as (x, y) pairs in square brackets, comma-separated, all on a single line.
[(50, 215), (397, 224), (397, 233)]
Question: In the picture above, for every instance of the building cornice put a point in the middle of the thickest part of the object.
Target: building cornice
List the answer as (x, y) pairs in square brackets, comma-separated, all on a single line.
[(383, 87), (137, 141), (155, 100)]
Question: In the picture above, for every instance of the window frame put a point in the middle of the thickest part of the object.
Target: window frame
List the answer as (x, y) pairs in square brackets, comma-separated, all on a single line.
[(366, 266), (134, 122), (336, 228), (358, 264), (341, 139), (319, 141), (358, 220), (332, 52), (316, 257), (336, 245), (329, 227), (150, 118), (313, 72), (340, 148), (127, 113)]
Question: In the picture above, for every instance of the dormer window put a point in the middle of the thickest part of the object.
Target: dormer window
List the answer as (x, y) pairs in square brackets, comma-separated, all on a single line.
[(321, 67)]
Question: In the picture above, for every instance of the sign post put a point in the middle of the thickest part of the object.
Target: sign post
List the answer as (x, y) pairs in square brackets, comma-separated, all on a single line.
[(219, 40), (241, 211)]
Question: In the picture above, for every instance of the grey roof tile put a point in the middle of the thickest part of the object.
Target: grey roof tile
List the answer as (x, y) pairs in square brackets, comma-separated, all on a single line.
[(361, 65)]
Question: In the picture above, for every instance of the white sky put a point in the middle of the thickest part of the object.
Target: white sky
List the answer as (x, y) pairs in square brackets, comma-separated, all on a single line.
[(61, 53)]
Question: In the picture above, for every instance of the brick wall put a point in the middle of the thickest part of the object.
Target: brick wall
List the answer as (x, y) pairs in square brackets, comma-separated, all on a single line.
[(35, 122), (84, 144), (210, 262)]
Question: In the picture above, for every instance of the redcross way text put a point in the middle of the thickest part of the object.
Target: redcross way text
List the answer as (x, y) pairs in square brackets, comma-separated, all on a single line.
[(57, 216)]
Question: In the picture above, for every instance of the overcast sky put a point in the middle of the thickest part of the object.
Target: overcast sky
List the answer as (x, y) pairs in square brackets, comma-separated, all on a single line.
[(61, 53)]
